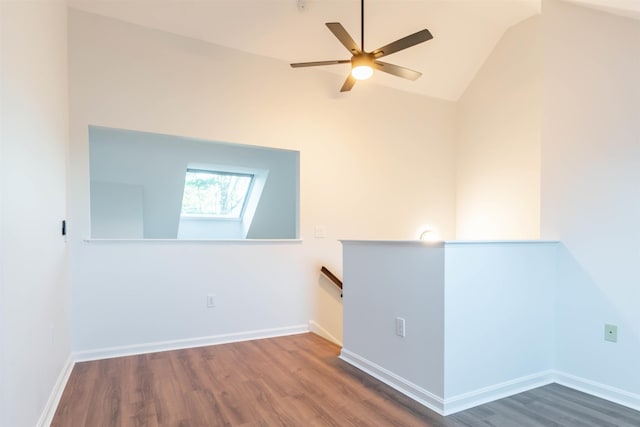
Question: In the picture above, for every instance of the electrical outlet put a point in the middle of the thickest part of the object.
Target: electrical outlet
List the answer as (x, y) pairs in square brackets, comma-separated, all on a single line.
[(211, 300), (400, 327), (611, 333)]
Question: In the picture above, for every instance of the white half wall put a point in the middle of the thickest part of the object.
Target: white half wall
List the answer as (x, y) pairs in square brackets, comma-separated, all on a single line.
[(499, 319), (145, 292), (386, 281), (498, 144), (34, 293), (368, 169), (479, 317), (590, 192)]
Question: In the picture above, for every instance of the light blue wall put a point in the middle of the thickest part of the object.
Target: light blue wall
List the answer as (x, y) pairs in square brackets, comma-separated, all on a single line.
[(158, 163)]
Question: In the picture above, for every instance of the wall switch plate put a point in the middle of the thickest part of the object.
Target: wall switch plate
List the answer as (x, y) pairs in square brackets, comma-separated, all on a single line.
[(320, 231), (400, 327), (611, 333), (211, 300)]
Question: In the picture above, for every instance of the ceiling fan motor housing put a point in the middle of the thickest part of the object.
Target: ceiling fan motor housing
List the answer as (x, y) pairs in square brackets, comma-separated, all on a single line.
[(363, 59)]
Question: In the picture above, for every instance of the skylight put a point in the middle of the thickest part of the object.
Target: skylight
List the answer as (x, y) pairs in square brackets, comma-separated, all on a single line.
[(215, 194)]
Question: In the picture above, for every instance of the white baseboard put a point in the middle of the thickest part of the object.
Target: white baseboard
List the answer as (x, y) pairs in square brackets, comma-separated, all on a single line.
[(56, 393), (130, 350), (481, 396), (405, 387), (612, 394), (497, 391), (319, 330), (453, 404)]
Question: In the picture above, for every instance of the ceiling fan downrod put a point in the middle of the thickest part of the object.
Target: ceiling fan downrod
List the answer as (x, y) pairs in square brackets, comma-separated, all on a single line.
[(362, 25)]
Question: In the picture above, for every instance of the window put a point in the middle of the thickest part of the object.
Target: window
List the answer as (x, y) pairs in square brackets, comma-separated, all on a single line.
[(215, 194)]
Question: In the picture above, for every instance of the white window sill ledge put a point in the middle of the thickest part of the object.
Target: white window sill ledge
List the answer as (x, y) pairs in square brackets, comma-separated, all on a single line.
[(198, 241)]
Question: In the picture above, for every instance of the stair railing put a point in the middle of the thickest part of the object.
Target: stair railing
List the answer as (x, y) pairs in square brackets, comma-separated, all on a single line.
[(334, 279)]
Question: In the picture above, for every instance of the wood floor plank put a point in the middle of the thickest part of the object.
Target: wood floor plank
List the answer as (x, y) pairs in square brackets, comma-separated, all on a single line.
[(74, 411), (599, 405), (566, 412), (583, 408), (140, 414), (293, 381), (509, 411), (205, 409)]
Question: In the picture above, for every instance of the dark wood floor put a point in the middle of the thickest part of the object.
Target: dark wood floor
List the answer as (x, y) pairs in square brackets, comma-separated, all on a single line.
[(288, 381)]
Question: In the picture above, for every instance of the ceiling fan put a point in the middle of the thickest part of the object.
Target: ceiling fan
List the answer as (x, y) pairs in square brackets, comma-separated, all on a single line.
[(363, 62)]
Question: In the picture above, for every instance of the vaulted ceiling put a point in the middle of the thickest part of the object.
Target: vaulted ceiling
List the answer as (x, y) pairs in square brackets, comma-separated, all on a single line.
[(465, 31)]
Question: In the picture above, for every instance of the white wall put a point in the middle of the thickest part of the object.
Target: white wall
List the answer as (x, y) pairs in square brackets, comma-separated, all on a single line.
[(498, 145), (368, 169), (386, 280), (34, 287), (479, 317), (590, 192), (499, 318)]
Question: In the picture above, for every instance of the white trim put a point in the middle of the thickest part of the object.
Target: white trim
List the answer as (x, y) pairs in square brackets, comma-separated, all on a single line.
[(612, 394), (46, 417), (205, 217), (130, 350), (453, 404), (499, 242), (446, 243), (497, 391), (426, 243), (415, 392), (196, 241), (319, 330)]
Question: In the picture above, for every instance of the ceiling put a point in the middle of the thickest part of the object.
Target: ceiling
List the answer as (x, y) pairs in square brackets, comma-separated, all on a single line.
[(628, 8), (465, 31)]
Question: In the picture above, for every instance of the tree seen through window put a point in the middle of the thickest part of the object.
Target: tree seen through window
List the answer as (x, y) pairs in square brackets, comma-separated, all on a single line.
[(215, 193)]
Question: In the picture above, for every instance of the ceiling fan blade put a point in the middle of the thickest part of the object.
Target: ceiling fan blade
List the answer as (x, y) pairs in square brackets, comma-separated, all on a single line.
[(396, 70), (316, 63), (348, 84), (403, 43), (341, 34)]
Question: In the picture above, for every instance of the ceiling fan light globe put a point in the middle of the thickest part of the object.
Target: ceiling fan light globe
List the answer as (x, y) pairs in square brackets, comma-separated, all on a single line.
[(361, 72)]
